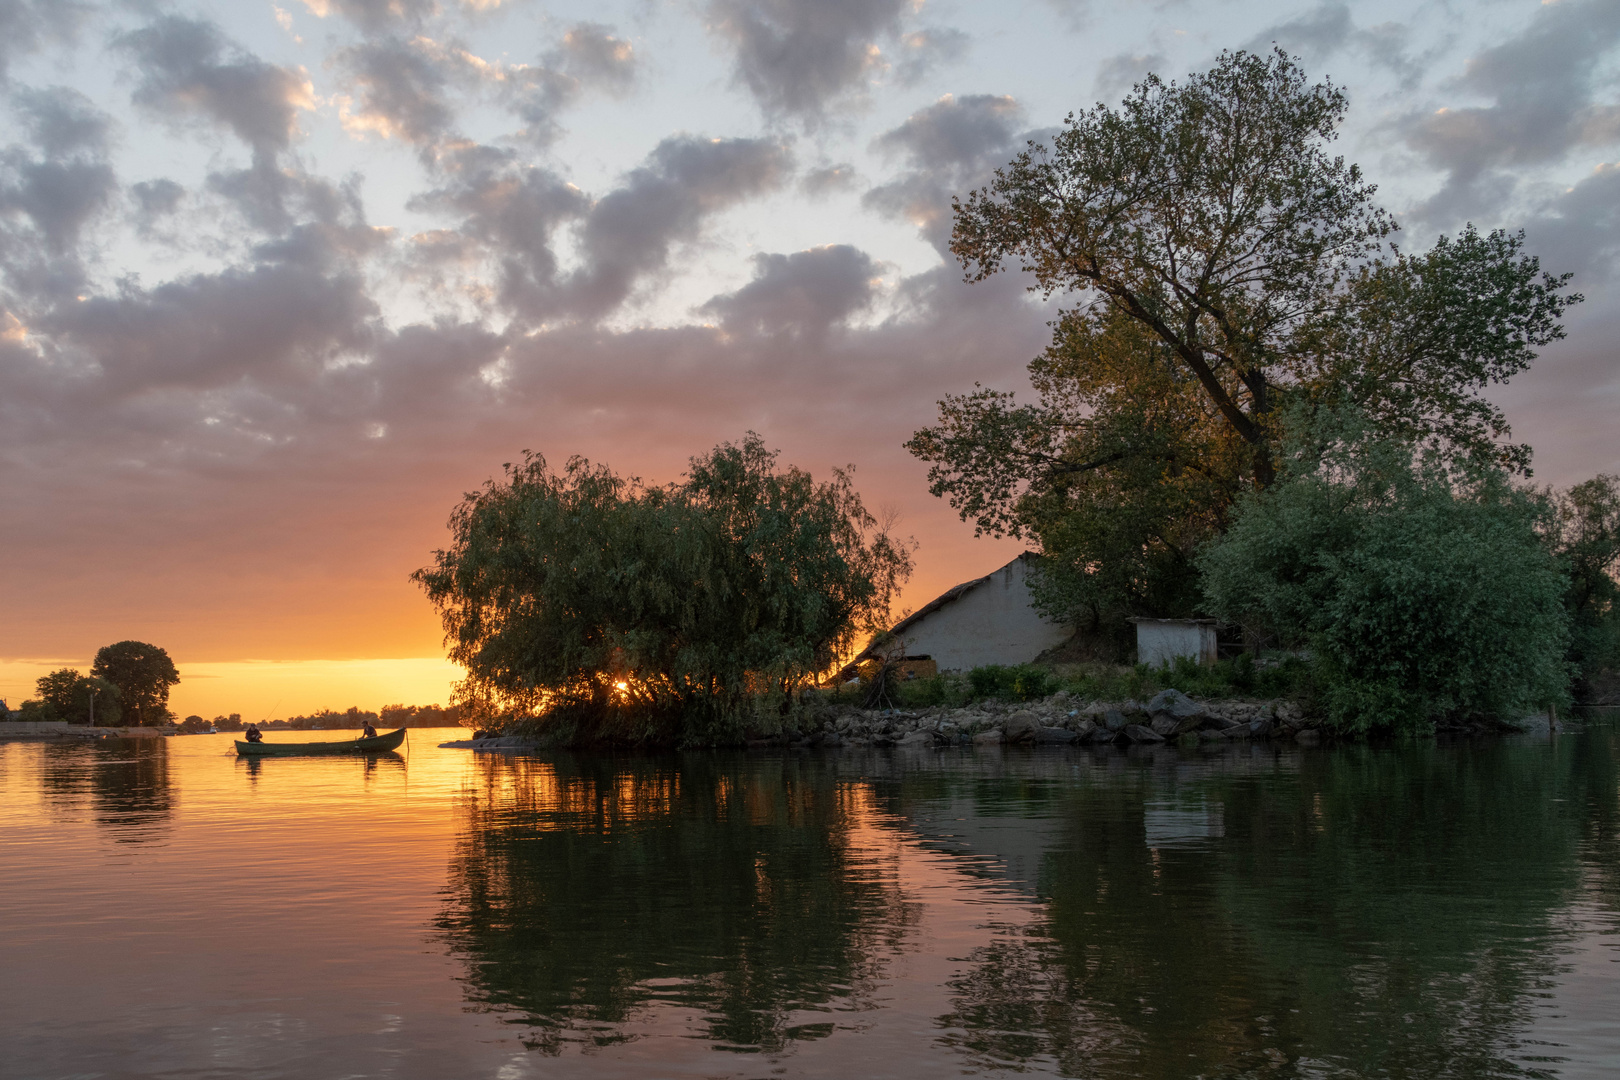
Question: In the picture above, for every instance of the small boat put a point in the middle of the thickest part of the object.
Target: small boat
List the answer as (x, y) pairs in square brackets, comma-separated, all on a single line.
[(375, 745)]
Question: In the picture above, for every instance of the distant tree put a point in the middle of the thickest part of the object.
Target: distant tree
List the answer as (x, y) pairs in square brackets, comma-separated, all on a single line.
[(143, 674), (66, 695), (1422, 589), (1222, 264), (620, 611)]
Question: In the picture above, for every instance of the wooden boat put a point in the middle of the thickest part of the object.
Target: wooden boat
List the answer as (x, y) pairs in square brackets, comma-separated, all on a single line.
[(376, 745)]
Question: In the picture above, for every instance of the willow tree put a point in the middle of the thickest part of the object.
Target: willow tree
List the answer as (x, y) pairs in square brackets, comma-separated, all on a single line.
[(1218, 266), (603, 609)]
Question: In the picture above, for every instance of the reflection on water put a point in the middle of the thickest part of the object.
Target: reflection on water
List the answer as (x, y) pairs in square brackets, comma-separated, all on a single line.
[(1409, 912), (586, 889)]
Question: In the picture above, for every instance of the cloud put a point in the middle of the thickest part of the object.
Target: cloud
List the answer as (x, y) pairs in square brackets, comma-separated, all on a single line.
[(1579, 231), (590, 53), (403, 88), (950, 146), (1542, 84), (28, 25), (827, 179), (188, 67), (1329, 28), (589, 57), (629, 232), (921, 51), (801, 295), (1119, 73), (51, 189), (508, 212), (799, 56), (379, 15)]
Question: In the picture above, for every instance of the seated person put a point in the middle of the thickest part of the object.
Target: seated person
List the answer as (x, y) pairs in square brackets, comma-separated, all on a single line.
[(368, 732), (254, 734)]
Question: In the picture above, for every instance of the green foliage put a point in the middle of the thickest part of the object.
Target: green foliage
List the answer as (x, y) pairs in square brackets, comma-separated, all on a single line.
[(66, 695), (1012, 682), (1423, 592), (604, 609), (1585, 533), (1225, 265), (143, 674)]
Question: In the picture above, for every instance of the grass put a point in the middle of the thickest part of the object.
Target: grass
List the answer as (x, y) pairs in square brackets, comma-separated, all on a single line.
[(1238, 678)]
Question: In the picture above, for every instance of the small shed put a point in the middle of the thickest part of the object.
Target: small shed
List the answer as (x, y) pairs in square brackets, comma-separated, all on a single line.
[(1161, 641), (989, 620)]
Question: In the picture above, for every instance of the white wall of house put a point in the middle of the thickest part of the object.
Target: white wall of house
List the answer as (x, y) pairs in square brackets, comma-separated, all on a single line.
[(1160, 641), (992, 623)]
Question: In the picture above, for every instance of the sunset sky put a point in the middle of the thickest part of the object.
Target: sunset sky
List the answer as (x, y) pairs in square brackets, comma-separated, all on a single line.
[(280, 282)]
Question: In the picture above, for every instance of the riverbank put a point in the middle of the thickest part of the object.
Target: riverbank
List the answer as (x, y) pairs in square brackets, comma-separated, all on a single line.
[(1168, 717), (55, 731)]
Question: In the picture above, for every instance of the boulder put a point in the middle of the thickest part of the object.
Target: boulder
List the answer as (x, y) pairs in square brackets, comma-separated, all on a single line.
[(1140, 734), (1022, 726), (1084, 728), (1102, 735), (1176, 704), (1164, 724), (993, 737), (1260, 728), (916, 738), (1212, 735), (829, 739), (1055, 735), (1114, 720)]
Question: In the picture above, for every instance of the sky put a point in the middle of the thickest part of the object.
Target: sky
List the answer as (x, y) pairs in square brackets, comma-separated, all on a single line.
[(280, 282)]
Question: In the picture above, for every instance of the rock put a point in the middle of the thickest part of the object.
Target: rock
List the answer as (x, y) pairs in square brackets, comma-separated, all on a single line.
[(1055, 735), (1164, 724), (1114, 720), (1101, 735), (1084, 728), (829, 740), (1177, 704), (1212, 735), (1260, 728), (1139, 734), (916, 738), (1060, 699), (1022, 726), (993, 737)]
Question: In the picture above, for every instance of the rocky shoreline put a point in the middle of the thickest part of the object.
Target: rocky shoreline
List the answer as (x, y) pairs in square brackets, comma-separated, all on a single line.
[(1170, 716)]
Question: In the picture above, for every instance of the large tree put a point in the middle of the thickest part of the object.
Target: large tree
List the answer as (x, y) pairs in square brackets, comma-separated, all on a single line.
[(143, 674), (1221, 270), (611, 610)]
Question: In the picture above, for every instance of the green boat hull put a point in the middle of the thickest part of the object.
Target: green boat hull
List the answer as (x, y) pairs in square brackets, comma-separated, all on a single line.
[(379, 744)]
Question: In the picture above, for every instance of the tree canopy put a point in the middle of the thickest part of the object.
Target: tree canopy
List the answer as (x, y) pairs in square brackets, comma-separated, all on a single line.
[(1218, 267), (614, 609), (66, 695), (143, 674)]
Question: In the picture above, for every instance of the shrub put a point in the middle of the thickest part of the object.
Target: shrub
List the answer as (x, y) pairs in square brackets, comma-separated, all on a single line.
[(1422, 590)]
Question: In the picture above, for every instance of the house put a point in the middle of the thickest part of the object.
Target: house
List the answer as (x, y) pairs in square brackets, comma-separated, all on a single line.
[(989, 620)]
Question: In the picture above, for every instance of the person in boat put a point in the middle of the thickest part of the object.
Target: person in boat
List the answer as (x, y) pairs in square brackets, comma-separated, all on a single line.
[(254, 734), (368, 732)]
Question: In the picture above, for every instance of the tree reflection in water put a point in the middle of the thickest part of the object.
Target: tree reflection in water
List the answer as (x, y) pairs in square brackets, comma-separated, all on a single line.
[(129, 782), (1399, 911), (1390, 913), (588, 892)]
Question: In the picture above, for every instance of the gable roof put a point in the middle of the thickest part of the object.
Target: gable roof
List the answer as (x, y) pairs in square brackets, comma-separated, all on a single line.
[(956, 592)]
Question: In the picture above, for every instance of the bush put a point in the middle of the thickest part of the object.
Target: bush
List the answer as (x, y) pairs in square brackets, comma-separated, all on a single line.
[(1422, 590), (1016, 682)]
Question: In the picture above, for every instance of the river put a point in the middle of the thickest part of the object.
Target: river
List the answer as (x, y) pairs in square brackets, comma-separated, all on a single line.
[(1422, 910)]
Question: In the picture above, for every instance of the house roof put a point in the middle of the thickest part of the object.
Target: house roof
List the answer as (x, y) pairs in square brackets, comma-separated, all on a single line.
[(956, 592)]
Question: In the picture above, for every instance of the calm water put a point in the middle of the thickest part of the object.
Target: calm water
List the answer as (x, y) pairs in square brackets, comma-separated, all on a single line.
[(167, 910)]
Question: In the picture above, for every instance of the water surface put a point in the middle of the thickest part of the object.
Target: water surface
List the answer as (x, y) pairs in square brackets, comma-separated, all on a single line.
[(1426, 910)]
